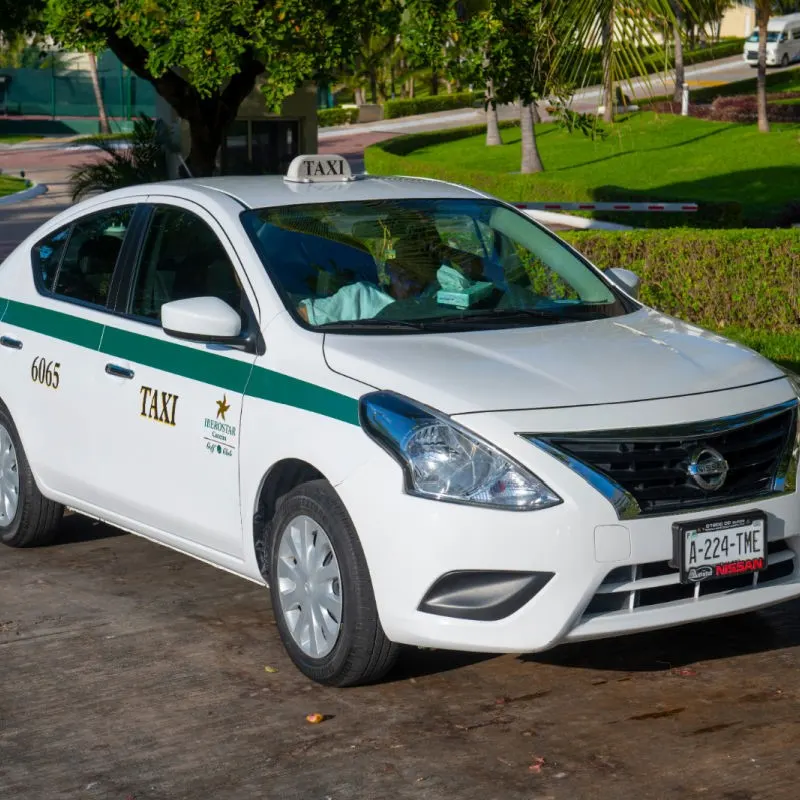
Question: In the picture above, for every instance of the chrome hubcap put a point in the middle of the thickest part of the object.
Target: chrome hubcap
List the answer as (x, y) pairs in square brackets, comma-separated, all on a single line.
[(309, 586), (9, 479)]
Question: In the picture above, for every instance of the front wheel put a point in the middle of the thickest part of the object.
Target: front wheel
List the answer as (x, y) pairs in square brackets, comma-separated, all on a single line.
[(321, 591), (27, 518), (785, 60)]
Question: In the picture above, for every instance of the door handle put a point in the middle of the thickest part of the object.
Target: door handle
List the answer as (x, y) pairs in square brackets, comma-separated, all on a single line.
[(118, 371), (14, 344)]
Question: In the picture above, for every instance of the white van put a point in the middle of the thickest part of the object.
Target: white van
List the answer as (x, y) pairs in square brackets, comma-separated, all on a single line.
[(783, 42)]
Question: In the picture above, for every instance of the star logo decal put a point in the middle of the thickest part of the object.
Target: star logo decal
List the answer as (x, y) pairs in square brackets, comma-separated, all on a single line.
[(222, 407)]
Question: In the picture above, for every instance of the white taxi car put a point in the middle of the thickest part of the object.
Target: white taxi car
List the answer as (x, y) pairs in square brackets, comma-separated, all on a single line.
[(415, 414)]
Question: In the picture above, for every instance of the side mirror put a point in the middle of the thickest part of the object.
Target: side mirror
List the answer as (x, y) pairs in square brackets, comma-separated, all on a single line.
[(202, 319), (626, 280)]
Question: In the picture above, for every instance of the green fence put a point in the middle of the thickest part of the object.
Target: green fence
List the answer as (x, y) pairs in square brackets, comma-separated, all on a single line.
[(58, 92)]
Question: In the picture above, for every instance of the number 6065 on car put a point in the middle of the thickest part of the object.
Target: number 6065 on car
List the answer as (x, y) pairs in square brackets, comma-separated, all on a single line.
[(45, 372)]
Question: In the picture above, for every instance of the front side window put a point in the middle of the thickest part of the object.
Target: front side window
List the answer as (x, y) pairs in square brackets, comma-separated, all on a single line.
[(181, 258), (425, 265), (78, 261)]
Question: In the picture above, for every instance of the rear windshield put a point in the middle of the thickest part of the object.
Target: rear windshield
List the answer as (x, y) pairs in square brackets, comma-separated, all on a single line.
[(425, 265)]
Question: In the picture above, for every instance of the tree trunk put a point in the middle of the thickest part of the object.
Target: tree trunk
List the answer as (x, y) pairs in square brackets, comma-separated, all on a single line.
[(492, 126), (762, 10), (434, 81), (98, 95), (373, 85), (205, 142), (411, 87), (608, 74), (531, 160), (680, 70)]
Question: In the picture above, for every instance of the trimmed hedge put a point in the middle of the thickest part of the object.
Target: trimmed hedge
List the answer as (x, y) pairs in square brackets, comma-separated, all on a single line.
[(388, 158), (426, 105), (326, 117), (741, 279)]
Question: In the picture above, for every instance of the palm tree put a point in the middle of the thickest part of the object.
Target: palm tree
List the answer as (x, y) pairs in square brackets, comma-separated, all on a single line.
[(98, 94), (621, 30), (677, 32), (763, 10)]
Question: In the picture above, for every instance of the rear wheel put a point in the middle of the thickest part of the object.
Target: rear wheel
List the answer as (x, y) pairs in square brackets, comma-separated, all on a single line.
[(321, 591), (27, 518)]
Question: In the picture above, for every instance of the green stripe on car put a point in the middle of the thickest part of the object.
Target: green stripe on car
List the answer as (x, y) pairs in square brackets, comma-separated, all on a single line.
[(199, 365)]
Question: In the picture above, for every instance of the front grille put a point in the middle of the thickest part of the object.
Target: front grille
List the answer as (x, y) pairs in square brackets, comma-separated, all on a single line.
[(642, 585), (752, 55), (651, 465)]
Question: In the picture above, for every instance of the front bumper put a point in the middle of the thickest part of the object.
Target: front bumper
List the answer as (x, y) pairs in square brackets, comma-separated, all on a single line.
[(410, 543)]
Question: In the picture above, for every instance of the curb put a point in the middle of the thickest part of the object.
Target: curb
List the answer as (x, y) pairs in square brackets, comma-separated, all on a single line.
[(34, 190)]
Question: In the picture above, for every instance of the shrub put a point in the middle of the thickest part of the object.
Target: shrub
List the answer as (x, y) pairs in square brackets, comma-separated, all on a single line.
[(736, 108), (425, 105), (336, 116), (144, 160), (748, 279)]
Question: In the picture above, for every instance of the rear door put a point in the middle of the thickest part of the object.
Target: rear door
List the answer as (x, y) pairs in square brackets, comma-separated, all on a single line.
[(50, 360), (173, 407)]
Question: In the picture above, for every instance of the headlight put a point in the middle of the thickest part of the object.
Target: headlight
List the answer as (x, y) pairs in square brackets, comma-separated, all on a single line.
[(442, 461)]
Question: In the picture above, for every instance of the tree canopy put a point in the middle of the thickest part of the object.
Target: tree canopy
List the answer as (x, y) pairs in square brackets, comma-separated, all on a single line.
[(204, 56)]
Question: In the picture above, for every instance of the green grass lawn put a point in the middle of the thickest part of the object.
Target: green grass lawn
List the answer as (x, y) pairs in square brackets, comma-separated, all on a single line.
[(10, 185), (664, 157), (16, 138)]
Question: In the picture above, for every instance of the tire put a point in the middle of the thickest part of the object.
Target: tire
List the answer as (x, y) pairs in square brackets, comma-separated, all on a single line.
[(313, 540), (33, 520), (785, 60)]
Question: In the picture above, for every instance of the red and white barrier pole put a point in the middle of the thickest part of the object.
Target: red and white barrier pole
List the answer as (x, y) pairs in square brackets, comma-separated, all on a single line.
[(637, 207)]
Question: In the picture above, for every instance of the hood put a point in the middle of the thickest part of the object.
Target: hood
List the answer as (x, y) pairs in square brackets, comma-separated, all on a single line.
[(641, 356)]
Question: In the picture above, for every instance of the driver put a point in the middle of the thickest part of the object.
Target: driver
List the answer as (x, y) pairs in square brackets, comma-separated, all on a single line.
[(363, 300), (417, 253)]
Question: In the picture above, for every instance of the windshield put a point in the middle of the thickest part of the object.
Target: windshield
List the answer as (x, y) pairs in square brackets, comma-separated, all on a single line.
[(412, 265), (772, 36)]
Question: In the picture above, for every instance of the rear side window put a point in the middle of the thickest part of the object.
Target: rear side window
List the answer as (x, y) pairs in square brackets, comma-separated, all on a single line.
[(78, 261), (181, 258)]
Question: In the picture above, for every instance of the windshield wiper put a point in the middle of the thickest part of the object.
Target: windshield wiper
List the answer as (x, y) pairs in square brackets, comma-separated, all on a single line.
[(512, 314), (372, 324)]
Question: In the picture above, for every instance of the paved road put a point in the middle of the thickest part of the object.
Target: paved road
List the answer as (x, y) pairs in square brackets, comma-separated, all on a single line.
[(49, 167), (130, 671)]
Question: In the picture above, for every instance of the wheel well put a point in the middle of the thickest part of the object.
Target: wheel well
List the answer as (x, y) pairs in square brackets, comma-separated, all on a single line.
[(280, 480)]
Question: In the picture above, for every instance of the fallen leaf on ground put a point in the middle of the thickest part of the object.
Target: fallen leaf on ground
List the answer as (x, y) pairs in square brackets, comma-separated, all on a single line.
[(537, 765), (271, 670), (315, 719), (686, 672)]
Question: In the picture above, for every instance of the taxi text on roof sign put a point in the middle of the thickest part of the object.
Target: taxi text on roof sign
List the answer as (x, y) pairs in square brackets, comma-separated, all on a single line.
[(318, 169)]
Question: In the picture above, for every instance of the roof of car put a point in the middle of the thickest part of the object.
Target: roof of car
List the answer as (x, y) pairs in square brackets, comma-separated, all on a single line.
[(260, 191)]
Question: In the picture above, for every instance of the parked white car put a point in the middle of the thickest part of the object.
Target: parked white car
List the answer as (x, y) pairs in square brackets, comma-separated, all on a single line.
[(416, 414), (783, 42)]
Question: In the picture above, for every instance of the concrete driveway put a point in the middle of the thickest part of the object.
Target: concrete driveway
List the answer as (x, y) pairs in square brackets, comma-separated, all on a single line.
[(130, 671)]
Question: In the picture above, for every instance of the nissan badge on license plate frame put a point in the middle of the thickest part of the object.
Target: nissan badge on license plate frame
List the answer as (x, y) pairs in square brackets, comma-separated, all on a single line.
[(720, 547)]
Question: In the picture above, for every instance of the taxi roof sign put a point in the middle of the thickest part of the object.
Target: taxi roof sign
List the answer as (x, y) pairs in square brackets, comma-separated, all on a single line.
[(318, 169)]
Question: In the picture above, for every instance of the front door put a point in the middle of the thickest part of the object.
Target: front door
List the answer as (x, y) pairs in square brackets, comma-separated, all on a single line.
[(174, 407)]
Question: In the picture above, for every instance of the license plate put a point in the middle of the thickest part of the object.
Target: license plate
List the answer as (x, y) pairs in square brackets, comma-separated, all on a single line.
[(721, 547)]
